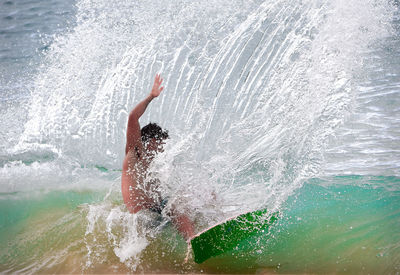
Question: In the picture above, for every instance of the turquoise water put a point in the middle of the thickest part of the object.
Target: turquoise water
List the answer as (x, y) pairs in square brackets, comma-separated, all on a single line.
[(344, 224), (330, 226), (284, 105)]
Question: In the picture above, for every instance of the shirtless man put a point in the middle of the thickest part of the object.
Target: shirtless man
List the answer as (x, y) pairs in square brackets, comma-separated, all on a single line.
[(141, 147)]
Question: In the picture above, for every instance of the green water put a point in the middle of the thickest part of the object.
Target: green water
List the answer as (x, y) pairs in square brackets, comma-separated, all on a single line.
[(346, 224), (41, 227), (334, 229)]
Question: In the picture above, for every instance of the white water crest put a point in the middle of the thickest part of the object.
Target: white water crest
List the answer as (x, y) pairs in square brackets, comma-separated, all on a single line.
[(253, 90)]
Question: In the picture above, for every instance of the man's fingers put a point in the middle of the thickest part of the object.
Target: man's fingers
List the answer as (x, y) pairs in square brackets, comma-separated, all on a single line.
[(158, 80)]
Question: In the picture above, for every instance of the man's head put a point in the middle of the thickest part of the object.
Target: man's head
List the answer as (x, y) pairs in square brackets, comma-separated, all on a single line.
[(153, 137)]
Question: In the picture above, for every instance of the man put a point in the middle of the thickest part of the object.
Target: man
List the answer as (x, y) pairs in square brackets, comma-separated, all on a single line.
[(141, 148)]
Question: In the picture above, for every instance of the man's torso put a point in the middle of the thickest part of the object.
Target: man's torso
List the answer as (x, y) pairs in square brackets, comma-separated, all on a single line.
[(137, 192)]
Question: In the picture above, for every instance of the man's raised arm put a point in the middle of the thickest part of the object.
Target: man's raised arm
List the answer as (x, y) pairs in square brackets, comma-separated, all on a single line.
[(133, 136)]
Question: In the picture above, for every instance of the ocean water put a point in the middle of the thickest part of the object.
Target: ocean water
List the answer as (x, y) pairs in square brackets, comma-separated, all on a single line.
[(288, 105)]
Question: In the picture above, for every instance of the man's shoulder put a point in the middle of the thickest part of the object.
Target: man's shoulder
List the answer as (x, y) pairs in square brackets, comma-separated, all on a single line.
[(134, 153), (130, 159), (133, 159)]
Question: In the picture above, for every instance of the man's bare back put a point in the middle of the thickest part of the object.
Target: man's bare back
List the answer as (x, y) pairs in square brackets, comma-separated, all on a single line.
[(132, 179)]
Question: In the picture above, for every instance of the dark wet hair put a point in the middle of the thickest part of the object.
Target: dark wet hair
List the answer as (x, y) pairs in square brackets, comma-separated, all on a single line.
[(152, 130)]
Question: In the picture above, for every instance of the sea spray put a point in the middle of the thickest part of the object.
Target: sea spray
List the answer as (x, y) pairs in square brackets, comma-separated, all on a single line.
[(253, 92), (110, 228)]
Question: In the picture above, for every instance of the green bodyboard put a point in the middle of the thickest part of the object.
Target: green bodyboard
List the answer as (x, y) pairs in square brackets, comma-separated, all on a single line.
[(226, 236)]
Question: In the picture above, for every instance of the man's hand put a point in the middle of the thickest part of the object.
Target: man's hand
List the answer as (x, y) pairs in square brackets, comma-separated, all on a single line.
[(156, 90)]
